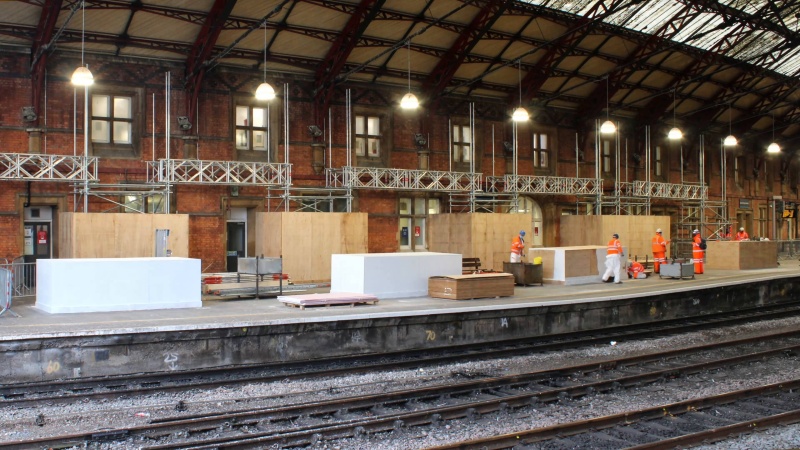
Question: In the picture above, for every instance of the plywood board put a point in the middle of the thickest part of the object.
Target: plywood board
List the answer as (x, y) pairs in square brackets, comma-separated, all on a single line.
[(484, 236), (747, 255), (635, 232), (306, 240), (120, 235)]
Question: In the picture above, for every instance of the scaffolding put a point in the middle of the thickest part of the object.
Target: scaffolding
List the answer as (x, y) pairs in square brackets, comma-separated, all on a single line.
[(37, 167)]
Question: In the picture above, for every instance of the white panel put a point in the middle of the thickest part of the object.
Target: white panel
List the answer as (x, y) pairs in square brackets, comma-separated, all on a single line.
[(117, 284), (390, 275)]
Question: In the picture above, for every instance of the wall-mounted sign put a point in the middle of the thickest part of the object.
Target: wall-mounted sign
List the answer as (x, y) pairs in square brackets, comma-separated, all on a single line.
[(744, 203)]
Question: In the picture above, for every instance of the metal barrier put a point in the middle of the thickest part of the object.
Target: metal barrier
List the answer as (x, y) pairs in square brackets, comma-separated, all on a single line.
[(788, 250), (6, 281), (23, 275)]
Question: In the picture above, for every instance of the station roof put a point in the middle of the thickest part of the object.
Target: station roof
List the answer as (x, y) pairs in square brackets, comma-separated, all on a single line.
[(709, 66)]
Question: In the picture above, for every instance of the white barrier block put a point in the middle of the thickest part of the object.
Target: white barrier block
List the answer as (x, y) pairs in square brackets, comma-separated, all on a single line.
[(390, 275), (117, 284)]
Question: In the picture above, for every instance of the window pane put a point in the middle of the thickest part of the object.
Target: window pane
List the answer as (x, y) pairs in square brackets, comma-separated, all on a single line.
[(122, 132), (543, 161), (419, 206), (360, 124), (122, 107), (133, 203), (405, 206), (241, 139), (466, 137), (100, 131), (241, 117), (156, 203), (466, 157), (543, 141), (361, 145), (456, 134), (100, 106), (259, 140), (434, 206), (405, 224), (374, 147), (259, 117), (374, 126)]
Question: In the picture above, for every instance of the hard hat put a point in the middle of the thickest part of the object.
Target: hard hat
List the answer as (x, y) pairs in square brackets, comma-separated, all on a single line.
[(696, 232), (615, 235), (522, 233), (741, 229), (658, 230)]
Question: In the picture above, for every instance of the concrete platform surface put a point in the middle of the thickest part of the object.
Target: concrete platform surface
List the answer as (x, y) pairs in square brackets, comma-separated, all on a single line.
[(28, 322)]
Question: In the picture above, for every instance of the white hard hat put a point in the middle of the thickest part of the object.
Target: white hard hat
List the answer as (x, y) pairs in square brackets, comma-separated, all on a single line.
[(658, 230), (741, 229), (696, 232)]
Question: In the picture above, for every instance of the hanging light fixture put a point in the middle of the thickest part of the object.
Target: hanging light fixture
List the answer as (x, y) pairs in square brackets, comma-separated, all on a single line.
[(520, 114), (409, 100), (608, 126), (675, 133), (265, 91), (730, 140), (773, 147), (82, 75)]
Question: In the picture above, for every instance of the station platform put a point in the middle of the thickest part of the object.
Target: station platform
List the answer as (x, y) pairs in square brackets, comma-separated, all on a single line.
[(230, 331)]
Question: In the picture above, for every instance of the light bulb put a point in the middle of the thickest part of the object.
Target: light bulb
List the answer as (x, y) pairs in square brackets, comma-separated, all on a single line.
[(82, 77), (730, 140), (675, 133), (608, 127), (265, 91), (774, 148), (520, 115), (409, 101)]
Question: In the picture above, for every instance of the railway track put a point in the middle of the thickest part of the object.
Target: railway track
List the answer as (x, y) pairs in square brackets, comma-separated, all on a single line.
[(304, 424), (675, 425), (109, 388)]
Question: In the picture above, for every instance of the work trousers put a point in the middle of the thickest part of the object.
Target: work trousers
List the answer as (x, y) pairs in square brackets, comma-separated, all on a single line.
[(612, 268)]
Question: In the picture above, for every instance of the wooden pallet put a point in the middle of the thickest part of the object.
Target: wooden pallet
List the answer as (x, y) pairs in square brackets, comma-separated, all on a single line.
[(333, 299)]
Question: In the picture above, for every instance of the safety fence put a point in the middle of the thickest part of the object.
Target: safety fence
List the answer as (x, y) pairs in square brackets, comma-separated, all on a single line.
[(17, 280), (789, 249)]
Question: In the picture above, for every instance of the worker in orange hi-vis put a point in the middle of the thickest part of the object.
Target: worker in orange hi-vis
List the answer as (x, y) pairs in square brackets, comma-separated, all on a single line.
[(517, 247), (636, 271), (659, 251), (613, 259), (698, 251), (742, 235)]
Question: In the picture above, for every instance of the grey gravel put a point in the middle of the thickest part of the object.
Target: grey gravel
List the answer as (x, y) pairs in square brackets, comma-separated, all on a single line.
[(46, 420)]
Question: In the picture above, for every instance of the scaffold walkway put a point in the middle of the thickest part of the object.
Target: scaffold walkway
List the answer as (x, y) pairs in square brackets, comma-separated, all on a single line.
[(174, 171), (39, 167)]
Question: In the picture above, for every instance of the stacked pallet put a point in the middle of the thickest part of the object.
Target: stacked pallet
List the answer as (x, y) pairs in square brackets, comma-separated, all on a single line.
[(462, 287)]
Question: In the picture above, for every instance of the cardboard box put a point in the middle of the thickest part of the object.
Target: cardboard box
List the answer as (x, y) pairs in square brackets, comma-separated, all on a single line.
[(462, 287)]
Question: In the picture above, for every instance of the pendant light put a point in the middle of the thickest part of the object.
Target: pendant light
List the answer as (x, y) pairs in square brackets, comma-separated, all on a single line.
[(520, 114), (608, 126), (675, 133), (265, 91), (82, 75), (773, 147), (730, 140), (409, 100)]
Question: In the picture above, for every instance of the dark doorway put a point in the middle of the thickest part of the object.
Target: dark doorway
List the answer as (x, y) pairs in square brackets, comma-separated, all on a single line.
[(237, 241)]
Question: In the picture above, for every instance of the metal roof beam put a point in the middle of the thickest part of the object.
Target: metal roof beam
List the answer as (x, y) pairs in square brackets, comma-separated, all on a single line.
[(201, 50), (42, 44), (339, 52), (443, 73)]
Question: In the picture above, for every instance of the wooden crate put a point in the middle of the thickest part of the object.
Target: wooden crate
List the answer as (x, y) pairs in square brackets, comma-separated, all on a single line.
[(462, 287)]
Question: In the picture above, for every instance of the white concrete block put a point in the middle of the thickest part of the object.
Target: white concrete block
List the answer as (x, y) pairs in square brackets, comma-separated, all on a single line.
[(117, 284), (390, 275)]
